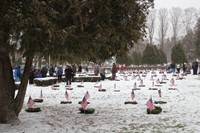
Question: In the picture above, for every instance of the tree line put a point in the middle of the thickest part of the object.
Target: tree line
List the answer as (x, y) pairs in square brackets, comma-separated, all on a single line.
[(167, 29), (172, 27), (153, 56)]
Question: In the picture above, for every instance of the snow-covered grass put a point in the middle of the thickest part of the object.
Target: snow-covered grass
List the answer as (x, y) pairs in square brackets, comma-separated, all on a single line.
[(180, 114)]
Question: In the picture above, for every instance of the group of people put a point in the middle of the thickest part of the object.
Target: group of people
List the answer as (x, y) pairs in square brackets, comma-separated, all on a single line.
[(176, 68), (37, 73), (99, 69), (69, 72), (57, 71), (185, 67)]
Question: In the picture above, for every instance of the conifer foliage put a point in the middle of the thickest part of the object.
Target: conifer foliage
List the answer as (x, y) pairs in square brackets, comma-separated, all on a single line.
[(178, 55), (197, 38), (124, 59), (152, 55), (136, 58)]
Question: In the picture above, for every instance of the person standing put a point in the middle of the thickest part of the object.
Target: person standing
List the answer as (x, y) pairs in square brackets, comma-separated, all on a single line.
[(17, 74), (184, 67), (86, 68), (68, 74), (172, 67), (80, 69), (44, 71), (178, 67), (195, 67), (122, 68), (96, 70), (51, 71), (32, 75), (60, 73), (114, 71), (102, 73)]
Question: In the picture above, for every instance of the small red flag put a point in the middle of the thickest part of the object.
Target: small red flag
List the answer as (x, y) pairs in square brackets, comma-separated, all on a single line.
[(153, 84), (132, 95), (52, 86), (84, 103), (158, 81), (100, 87), (172, 82), (125, 78), (159, 93), (30, 102), (177, 77), (66, 95), (96, 82), (151, 77), (87, 95), (135, 85), (150, 104), (141, 82)]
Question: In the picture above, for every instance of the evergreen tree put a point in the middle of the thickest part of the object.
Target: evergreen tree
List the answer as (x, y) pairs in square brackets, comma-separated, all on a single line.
[(152, 55), (162, 58), (197, 38), (149, 55), (124, 59), (66, 30), (178, 54), (136, 58)]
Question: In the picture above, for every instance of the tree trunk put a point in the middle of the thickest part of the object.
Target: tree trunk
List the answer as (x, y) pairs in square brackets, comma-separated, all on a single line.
[(7, 86), (10, 106), (19, 100)]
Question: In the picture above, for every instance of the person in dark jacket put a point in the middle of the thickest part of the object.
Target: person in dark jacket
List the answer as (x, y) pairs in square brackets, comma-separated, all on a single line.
[(172, 67), (102, 73), (80, 69), (195, 67), (51, 71), (44, 71), (74, 71), (60, 73), (96, 70), (184, 67), (32, 76), (68, 74), (17, 74), (114, 71)]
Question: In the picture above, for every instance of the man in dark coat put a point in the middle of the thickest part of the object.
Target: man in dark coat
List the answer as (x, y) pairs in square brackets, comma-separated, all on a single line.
[(80, 69), (44, 71), (60, 73), (51, 71), (173, 67), (195, 67), (32, 75), (68, 74), (102, 73)]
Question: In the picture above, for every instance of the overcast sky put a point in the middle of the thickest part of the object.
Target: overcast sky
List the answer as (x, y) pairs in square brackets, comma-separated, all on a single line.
[(177, 3)]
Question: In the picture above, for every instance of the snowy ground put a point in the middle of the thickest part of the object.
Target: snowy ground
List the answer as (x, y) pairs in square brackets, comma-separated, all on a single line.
[(180, 114)]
